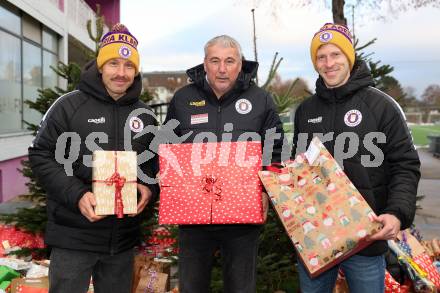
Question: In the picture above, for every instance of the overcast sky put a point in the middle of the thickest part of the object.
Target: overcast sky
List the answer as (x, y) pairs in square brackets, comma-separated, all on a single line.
[(172, 33)]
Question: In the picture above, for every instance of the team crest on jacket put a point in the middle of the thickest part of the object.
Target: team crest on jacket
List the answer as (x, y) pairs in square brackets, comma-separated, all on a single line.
[(353, 118), (243, 106), (136, 124)]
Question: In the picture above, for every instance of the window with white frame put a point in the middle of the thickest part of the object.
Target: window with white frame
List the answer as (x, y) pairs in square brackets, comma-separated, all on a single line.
[(27, 50)]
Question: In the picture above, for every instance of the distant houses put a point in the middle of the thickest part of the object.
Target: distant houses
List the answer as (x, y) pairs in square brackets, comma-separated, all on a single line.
[(163, 84)]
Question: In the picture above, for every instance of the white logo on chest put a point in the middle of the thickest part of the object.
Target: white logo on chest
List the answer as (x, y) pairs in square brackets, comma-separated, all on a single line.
[(243, 106), (353, 118), (136, 124)]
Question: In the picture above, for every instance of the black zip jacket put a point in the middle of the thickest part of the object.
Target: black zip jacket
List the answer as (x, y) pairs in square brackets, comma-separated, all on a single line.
[(390, 186), (86, 112), (198, 98)]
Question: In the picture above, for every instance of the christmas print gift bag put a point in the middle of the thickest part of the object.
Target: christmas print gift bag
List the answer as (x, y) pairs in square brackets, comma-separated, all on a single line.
[(115, 182), (324, 214), (210, 183)]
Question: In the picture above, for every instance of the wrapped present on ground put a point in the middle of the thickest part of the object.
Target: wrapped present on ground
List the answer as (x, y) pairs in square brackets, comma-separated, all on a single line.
[(37, 271), (418, 276), (15, 264), (12, 238), (30, 285), (432, 248), (161, 243), (114, 182), (210, 183), (412, 247), (152, 279), (7, 274), (5, 286), (324, 214), (391, 285), (341, 285), (146, 263)]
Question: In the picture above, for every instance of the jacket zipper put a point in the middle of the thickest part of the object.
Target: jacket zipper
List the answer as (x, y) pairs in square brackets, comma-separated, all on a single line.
[(113, 237), (332, 128), (219, 130)]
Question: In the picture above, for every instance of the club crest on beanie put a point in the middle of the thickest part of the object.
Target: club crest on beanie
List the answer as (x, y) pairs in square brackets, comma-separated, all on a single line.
[(118, 43), (336, 34)]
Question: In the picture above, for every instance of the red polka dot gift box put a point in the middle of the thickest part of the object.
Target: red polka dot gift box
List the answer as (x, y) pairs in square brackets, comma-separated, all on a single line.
[(210, 183)]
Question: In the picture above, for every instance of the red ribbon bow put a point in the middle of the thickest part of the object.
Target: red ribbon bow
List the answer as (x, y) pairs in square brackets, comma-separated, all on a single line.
[(210, 186), (119, 182)]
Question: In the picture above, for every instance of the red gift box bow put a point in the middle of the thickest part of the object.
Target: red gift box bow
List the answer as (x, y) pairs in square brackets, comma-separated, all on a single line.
[(210, 186), (119, 182)]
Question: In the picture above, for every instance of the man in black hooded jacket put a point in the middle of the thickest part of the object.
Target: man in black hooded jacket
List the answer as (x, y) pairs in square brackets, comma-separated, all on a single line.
[(103, 113), (223, 100), (365, 130)]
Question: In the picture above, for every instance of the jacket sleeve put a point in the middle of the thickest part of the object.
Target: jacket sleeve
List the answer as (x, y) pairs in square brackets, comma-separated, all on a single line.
[(171, 114), (402, 165), (272, 130), (151, 166), (60, 187), (295, 133)]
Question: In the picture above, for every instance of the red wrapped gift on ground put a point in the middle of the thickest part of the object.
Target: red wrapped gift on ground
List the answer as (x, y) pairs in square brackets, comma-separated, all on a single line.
[(210, 183), (10, 236), (420, 257)]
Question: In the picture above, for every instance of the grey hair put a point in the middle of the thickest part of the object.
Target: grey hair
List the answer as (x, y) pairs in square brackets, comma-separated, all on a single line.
[(224, 41)]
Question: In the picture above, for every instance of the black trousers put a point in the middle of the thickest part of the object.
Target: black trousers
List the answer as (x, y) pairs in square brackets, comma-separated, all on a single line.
[(70, 271), (238, 245)]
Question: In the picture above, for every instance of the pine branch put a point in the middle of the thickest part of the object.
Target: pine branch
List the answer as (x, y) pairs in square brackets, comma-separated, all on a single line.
[(99, 27), (360, 48)]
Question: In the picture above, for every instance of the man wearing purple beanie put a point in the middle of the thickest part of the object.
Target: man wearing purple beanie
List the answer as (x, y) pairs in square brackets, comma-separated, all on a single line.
[(102, 113)]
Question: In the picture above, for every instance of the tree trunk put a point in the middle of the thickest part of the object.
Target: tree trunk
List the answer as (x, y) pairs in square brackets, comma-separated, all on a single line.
[(338, 12)]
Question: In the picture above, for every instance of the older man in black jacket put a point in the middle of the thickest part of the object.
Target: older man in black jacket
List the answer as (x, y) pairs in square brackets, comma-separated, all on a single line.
[(223, 100)]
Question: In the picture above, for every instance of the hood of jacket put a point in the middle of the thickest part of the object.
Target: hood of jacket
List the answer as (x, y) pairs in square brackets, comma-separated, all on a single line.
[(92, 85), (360, 77)]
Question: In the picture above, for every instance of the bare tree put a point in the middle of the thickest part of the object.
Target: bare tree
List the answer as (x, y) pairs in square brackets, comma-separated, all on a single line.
[(338, 12), (431, 95), (378, 8), (298, 89)]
